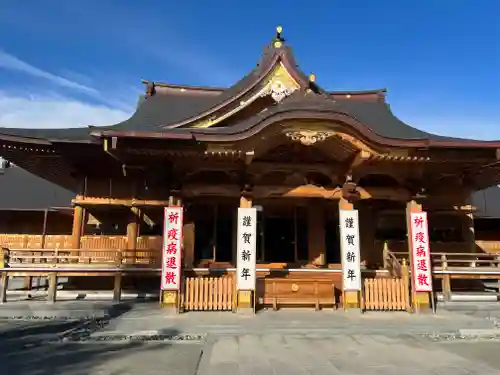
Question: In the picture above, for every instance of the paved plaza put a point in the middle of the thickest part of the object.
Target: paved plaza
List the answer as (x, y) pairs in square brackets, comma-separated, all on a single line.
[(146, 340)]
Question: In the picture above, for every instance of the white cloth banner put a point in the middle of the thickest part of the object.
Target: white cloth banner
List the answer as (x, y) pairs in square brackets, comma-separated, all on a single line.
[(349, 244), (172, 248), (247, 246), (421, 252)]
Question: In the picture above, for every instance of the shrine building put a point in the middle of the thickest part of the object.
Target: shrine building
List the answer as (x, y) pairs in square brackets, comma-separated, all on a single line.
[(275, 141)]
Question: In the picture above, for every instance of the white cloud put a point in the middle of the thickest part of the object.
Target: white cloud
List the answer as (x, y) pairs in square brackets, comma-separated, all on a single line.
[(8, 61), (53, 111)]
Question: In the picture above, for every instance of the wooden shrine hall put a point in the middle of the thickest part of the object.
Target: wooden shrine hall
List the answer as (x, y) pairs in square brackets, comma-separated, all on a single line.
[(275, 141)]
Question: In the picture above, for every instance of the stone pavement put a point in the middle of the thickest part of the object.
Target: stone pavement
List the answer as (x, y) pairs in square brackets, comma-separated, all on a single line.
[(279, 354), (149, 318), (287, 342)]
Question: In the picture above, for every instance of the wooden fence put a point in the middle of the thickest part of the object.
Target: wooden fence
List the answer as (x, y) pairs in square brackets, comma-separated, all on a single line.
[(386, 294), (203, 293)]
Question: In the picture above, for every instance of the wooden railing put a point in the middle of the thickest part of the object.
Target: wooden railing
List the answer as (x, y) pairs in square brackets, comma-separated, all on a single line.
[(486, 246), (204, 293), (449, 261), (460, 260), (32, 241), (46, 258), (391, 262)]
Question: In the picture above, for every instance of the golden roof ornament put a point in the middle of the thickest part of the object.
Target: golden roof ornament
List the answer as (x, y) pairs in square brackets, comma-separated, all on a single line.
[(278, 40), (312, 78)]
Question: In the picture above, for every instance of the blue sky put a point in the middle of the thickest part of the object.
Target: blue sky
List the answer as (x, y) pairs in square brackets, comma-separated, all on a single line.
[(73, 63)]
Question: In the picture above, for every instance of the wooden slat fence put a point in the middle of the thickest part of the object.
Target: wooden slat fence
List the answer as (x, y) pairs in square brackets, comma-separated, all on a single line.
[(203, 293), (386, 294)]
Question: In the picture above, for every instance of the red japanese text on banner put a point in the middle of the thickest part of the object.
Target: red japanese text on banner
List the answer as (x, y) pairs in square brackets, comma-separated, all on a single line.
[(421, 252), (172, 248)]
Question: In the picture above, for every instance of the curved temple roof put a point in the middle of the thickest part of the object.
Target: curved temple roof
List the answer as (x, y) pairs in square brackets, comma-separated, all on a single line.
[(172, 111)]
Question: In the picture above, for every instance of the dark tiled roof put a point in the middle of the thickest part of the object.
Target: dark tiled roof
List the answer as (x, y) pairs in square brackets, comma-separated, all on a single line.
[(71, 134), (179, 108), (21, 190), (487, 203)]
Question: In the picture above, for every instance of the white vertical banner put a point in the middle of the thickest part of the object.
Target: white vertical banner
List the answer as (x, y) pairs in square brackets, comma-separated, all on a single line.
[(247, 249), (421, 252), (172, 248), (349, 245)]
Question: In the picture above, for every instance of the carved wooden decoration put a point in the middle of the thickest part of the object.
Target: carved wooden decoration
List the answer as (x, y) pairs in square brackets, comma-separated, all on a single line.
[(309, 137), (280, 85)]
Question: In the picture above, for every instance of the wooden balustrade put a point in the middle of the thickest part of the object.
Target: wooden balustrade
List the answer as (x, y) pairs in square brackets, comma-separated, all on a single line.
[(449, 261), (491, 247), (32, 241), (462, 260), (45, 258)]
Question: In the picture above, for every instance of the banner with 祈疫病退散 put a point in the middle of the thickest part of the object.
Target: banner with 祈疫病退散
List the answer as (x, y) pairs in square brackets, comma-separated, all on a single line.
[(172, 249), (420, 252)]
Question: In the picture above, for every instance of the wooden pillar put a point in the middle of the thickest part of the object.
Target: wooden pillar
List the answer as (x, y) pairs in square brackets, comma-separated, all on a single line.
[(244, 297), (52, 287), (421, 300), (133, 228), (351, 299), (316, 241), (78, 215), (132, 234), (170, 299), (44, 227)]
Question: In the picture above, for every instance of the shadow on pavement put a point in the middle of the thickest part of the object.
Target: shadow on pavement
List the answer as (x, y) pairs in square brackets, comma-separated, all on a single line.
[(20, 356), (60, 347)]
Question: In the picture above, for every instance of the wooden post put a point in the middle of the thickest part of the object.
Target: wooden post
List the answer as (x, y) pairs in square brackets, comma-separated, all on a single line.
[(446, 280), (351, 299), (468, 231), (406, 280), (133, 232), (52, 287), (44, 227), (117, 289), (244, 298), (421, 300), (4, 285), (78, 215)]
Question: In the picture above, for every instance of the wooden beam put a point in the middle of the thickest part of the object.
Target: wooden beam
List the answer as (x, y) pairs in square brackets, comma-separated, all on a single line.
[(101, 201)]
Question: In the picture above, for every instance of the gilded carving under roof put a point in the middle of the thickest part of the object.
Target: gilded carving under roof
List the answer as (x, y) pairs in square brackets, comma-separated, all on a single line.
[(280, 85), (309, 137)]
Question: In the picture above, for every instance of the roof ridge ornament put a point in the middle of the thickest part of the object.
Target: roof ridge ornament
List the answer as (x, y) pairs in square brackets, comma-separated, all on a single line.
[(278, 40)]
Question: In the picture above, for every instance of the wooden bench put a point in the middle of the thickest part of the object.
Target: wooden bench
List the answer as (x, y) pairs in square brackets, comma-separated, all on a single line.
[(299, 292)]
